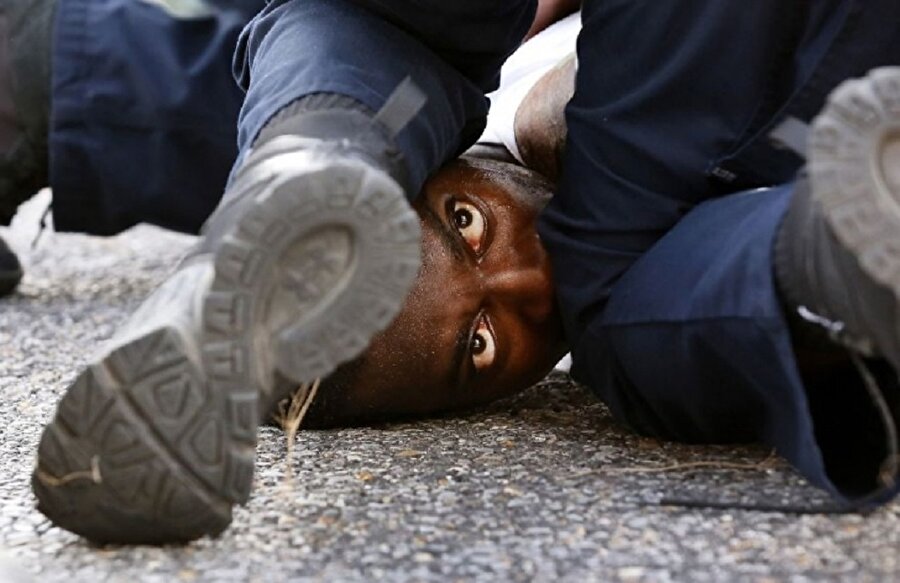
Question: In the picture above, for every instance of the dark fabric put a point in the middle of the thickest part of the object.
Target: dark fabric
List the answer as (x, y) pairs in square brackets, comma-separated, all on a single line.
[(365, 48), (26, 28), (290, 120), (664, 276), (697, 350), (144, 113), (159, 88), (338, 118)]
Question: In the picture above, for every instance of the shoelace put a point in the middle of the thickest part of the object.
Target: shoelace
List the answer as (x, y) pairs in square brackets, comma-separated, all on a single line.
[(890, 467)]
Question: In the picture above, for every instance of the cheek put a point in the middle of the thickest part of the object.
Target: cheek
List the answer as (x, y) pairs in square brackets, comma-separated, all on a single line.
[(394, 355), (417, 319), (532, 344), (399, 360), (386, 379), (536, 347), (400, 381)]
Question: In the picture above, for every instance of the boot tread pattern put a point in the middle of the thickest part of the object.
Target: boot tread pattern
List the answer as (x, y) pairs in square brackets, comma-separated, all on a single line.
[(120, 435), (324, 265), (155, 442)]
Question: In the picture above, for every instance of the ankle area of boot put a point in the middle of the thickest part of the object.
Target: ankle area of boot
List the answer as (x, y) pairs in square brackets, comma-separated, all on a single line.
[(330, 124), (322, 128), (812, 270)]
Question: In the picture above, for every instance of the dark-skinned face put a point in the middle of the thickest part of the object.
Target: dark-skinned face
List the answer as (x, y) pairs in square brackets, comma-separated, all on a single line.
[(481, 321)]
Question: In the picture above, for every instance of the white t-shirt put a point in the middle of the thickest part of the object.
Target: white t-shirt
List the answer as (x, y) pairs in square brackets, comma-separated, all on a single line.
[(522, 70)]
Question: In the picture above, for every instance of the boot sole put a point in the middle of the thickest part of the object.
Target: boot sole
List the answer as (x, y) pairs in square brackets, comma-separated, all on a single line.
[(854, 171), (155, 441)]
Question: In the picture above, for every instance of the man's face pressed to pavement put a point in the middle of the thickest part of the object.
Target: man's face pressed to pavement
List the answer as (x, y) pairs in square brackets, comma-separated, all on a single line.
[(481, 321)]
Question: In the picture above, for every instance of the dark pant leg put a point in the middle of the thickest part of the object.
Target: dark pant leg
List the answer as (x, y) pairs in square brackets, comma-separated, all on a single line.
[(473, 36), (26, 28), (144, 112), (666, 290), (698, 350), (657, 114), (364, 49), (650, 113)]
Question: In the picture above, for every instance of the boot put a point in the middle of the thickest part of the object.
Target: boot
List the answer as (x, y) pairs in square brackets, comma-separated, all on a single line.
[(10, 270), (837, 254), (838, 251), (310, 254)]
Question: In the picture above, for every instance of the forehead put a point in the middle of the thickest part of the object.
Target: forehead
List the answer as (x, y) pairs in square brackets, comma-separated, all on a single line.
[(492, 180)]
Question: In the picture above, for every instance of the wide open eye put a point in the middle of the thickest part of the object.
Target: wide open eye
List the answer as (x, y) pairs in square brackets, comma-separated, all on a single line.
[(483, 348), (470, 223)]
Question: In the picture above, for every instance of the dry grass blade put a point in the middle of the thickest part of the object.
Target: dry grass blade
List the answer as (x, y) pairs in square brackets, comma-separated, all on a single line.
[(769, 462), (291, 414)]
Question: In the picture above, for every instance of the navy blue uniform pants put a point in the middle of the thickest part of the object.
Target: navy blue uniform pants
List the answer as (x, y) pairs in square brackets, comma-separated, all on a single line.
[(148, 121), (663, 228)]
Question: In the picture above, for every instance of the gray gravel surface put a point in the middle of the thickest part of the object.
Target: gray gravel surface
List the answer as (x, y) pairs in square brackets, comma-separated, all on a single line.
[(543, 487)]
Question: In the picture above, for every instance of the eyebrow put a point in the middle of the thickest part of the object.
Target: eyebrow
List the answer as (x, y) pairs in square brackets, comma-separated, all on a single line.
[(463, 335)]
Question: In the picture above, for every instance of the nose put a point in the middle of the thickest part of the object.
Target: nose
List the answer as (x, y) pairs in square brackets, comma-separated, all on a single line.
[(528, 291)]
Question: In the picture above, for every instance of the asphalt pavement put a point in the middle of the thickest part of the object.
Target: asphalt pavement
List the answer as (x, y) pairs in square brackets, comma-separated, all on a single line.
[(543, 487)]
